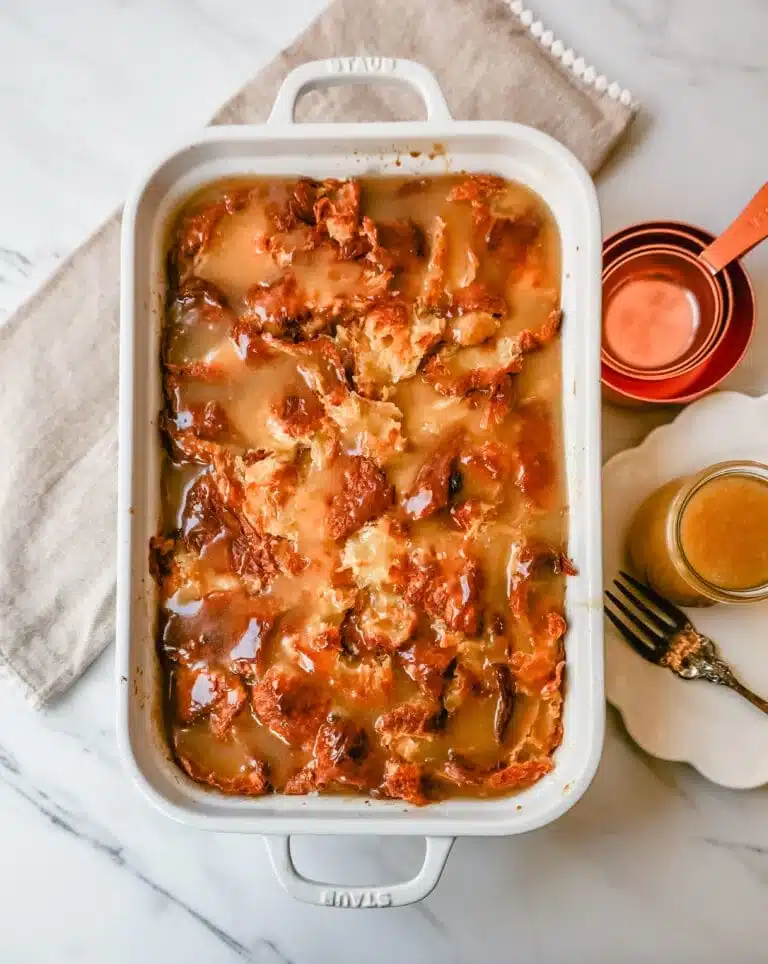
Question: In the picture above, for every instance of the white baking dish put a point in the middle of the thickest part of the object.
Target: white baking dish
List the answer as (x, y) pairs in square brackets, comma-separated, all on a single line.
[(339, 150)]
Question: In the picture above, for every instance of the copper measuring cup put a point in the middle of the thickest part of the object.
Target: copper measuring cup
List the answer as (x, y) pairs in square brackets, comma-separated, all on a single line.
[(692, 240), (698, 277), (709, 306), (721, 359)]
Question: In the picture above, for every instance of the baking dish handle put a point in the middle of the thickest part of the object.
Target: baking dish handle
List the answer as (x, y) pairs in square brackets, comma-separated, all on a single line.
[(358, 898), (318, 74)]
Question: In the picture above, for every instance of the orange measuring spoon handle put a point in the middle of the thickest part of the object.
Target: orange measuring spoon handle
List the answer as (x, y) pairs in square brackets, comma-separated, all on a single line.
[(749, 229)]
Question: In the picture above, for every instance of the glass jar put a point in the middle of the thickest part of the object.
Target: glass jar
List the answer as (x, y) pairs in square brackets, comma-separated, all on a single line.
[(703, 538)]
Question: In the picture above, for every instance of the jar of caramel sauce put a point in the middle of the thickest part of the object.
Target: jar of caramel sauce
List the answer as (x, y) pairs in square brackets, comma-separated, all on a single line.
[(704, 538)]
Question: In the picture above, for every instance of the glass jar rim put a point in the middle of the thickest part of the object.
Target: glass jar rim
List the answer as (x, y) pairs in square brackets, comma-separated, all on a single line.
[(745, 469)]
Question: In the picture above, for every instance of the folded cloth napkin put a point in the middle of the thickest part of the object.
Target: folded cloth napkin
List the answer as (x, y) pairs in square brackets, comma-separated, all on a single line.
[(59, 351)]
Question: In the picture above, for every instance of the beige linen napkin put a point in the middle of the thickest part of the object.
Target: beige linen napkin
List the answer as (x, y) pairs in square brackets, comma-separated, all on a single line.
[(59, 352)]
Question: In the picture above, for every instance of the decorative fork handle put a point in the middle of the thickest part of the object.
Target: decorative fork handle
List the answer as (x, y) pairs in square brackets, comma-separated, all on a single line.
[(692, 655), (742, 690)]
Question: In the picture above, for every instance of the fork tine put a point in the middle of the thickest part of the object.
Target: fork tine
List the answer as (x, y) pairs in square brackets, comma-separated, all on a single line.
[(634, 641), (677, 615), (654, 639), (654, 617)]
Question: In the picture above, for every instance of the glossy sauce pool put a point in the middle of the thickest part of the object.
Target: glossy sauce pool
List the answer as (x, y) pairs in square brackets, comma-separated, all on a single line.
[(509, 459)]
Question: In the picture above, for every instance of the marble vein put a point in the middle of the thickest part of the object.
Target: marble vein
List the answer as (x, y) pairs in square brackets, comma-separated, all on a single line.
[(14, 265), (657, 769), (65, 821), (422, 909), (705, 62), (748, 856), (736, 846), (647, 15)]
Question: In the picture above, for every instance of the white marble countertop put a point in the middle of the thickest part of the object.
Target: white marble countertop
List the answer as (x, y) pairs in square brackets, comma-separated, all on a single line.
[(654, 865)]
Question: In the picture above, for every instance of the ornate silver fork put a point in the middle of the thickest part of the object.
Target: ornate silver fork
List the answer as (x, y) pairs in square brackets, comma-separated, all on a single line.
[(664, 635)]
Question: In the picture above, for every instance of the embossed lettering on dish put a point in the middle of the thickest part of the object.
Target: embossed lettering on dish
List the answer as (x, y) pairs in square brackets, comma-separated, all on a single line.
[(361, 65), (355, 899)]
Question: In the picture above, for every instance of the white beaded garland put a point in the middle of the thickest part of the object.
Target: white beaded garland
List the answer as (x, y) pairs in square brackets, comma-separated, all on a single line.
[(567, 57)]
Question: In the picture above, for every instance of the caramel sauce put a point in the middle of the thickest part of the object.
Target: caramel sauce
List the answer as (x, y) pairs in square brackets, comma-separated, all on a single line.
[(285, 655), (648, 548), (724, 532)]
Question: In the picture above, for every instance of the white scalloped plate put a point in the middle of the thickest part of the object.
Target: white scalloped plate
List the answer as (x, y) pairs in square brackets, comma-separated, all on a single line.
[(697, 722)]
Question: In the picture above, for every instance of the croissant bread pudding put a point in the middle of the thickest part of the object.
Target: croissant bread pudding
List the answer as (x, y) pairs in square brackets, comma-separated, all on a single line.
[(360, 561)]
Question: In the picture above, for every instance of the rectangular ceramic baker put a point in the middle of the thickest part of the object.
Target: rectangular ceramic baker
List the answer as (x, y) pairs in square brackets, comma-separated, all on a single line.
[(282, 147)]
